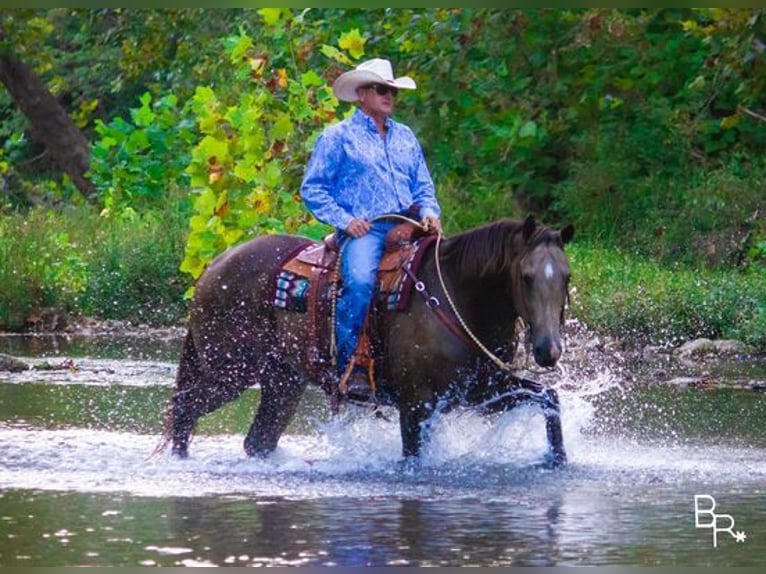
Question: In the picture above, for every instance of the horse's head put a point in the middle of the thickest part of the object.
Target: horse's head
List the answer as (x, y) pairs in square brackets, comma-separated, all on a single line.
[(540, 285)]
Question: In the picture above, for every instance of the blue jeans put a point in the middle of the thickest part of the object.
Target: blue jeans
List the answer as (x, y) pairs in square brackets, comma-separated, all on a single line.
[(360, 258)]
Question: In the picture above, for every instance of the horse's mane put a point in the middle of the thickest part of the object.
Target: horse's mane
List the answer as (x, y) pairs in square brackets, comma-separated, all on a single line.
[(492, 249)]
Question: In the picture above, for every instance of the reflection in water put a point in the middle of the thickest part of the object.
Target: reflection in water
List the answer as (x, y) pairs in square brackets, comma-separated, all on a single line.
[(574, 527), (352, 531), (136, 346)]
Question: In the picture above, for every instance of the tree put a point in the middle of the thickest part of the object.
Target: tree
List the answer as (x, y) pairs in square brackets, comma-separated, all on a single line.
[(64, 68), (49, 123)]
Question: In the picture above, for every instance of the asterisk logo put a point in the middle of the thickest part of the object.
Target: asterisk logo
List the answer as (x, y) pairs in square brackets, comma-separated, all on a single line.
[(706, 517)]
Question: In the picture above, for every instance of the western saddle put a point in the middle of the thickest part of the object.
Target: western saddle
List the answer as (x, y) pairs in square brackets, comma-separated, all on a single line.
[(319, 263)]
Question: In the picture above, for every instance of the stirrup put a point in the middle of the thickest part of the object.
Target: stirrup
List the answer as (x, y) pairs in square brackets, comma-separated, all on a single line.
[(355, 370)]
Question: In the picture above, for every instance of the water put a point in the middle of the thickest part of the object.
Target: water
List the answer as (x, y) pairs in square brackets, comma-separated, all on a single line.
[(79, 484)]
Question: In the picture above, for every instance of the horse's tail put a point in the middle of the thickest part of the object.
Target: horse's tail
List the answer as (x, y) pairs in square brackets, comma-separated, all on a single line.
[(189, 361)]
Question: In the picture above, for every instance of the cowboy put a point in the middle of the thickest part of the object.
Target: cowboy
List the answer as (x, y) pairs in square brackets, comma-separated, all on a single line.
[(363, 169)]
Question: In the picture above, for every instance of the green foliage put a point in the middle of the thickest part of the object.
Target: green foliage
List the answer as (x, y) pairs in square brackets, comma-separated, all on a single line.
[(135, 164), (512, 106), (41, 264), (643, 303), (134, 272), (713, 218), (255, 137), (644, 127), (80, 262)]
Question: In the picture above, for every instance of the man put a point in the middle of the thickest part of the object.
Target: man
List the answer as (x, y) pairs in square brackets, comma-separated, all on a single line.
[(364, 168)]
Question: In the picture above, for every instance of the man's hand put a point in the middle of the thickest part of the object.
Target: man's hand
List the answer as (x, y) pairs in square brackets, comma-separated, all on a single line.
[(358, 227), (432, 223)]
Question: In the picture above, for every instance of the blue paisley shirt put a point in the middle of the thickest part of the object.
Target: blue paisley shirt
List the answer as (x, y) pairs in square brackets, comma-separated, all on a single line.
[(354, 172)]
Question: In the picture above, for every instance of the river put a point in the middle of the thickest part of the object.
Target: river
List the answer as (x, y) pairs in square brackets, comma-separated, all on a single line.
[(79, 484)]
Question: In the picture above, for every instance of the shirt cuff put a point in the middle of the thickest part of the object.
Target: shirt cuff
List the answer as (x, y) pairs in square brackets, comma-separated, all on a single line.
[(428, 212)]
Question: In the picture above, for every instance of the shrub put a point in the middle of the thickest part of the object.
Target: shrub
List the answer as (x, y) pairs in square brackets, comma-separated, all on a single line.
[(642, 302)]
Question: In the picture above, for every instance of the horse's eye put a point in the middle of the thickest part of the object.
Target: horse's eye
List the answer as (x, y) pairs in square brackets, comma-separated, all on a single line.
[(528, 278)]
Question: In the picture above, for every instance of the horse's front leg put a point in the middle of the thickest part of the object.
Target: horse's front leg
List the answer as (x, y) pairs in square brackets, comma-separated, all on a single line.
[(522, 390), (413, 424), (557, 456), (549, 401)]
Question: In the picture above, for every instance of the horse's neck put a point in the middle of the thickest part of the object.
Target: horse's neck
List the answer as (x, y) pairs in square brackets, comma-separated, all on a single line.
[(483, 302)]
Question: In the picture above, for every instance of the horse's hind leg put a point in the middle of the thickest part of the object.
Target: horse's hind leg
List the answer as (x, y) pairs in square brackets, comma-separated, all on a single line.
[(556, 454), (198, 393), (183, 410), (281, 391)]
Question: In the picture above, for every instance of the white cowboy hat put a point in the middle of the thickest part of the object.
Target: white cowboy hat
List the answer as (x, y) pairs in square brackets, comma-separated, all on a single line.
[(375, 71)]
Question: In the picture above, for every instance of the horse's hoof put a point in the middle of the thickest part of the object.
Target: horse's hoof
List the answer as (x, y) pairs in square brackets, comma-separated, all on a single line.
[(555, 460), (359, 389), (180, 453), (254, 451)]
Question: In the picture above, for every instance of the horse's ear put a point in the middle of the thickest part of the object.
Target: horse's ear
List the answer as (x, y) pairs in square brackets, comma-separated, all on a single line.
[(529, 227), (567, 233)]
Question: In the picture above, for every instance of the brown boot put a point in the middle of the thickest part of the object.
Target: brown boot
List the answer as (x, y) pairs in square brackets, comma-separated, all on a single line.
[(358, 388)]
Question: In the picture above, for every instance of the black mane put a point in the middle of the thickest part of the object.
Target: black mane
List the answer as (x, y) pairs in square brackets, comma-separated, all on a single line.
[(493, 248)]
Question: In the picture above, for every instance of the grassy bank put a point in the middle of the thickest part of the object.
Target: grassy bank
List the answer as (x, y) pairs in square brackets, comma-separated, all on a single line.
[(87, 264), (642, 302), (83, 263)]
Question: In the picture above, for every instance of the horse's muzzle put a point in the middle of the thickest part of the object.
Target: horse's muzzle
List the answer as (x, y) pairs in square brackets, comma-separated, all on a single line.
[(547, 350)]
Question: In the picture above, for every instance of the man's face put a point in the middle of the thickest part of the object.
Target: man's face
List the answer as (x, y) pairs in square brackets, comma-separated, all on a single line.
[(377, 99)]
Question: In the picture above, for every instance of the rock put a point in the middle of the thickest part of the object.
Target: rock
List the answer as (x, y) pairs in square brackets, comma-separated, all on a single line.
[(12, 364), (730, 347), (695, 347), (693, 382), (707, 347)]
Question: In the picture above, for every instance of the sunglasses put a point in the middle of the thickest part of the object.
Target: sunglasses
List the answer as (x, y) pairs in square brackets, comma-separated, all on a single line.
[(382, 89)]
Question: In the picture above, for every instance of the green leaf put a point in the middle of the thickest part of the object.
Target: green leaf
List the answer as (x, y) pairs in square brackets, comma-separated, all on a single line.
[(246, 171), (311, 78), (272, 174), (353, 42), (241, 46), (528, 130), (212, 147), (335, 54), (205, 204), (283, 127), (270, 15)]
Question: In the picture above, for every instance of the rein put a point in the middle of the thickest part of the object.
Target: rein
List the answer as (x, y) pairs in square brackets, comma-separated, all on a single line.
[(502, 365), (433, 303)]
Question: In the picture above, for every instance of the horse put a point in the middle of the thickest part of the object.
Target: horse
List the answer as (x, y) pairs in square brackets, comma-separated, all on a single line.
[(441, 352)]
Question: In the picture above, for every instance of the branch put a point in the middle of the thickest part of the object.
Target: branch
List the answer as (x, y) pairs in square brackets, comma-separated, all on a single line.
[(752, 114)]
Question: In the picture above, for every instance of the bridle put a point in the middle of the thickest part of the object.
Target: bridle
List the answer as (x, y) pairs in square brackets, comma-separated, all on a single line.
[(464, 332), (467, 334)]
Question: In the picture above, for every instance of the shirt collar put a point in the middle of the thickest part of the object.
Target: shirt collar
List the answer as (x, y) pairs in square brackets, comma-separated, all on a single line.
[(363, 119)]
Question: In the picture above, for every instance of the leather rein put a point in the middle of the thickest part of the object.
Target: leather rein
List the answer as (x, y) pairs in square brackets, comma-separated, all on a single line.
[(460, 328)]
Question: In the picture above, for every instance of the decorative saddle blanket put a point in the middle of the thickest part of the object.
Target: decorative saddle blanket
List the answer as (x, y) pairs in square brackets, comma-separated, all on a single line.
[(311, 271)]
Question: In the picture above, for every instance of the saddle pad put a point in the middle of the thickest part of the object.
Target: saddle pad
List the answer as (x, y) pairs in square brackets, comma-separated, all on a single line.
[(392, 292), (292, 292)]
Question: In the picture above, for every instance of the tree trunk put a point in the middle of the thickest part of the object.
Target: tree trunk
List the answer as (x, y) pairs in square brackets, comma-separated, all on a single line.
[(49, 122)]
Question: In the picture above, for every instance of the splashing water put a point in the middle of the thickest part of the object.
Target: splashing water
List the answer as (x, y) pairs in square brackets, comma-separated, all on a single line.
[(83, 438)]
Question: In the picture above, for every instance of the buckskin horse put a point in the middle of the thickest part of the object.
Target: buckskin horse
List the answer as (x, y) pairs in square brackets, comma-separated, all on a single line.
[(440, 352)]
